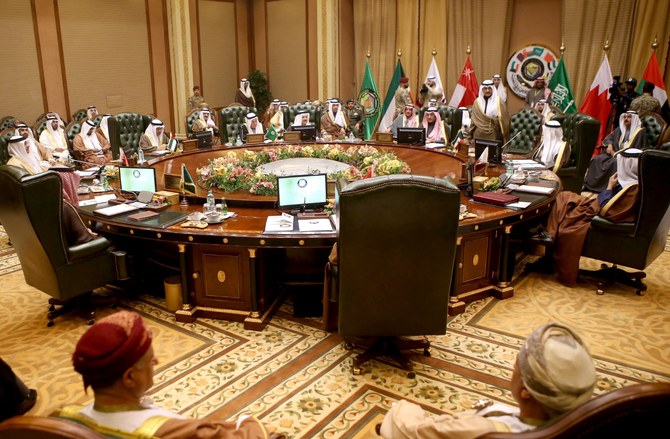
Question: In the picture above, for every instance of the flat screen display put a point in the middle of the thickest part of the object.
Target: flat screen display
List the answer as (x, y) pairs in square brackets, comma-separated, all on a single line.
[(307, 132), (296, 191), (411, 136), (137, 179), (494, 146)]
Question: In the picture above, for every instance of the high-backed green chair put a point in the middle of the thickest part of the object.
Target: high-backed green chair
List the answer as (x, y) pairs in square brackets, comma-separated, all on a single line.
[(314, 111), (525, 125), (79, 115), (125, 130), (7, 122), (231, 119), (654, 126), (638, 244), (581, 132), (31, 211), (5, 135), (451, 116), (396, 249)]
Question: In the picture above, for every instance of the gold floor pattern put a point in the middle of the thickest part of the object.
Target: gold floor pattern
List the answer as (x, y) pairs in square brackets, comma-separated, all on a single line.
[(297, 378)]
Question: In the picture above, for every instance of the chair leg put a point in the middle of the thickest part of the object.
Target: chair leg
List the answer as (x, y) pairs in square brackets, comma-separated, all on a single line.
[(85, 304), (612, 274), (391, 347)]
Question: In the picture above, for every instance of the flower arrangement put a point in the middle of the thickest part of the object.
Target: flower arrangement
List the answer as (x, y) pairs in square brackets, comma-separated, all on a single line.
[(237, 171)]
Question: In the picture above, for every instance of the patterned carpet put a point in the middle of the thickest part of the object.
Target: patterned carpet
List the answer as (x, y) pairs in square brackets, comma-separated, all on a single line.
[(298, 378)]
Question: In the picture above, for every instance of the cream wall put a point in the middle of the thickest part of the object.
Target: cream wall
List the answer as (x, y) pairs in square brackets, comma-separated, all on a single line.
[(287, 49), (106, 54), (21, 87), (218, 51)]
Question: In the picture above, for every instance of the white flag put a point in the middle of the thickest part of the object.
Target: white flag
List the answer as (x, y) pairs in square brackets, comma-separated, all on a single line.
[(432, 71), (484, 157)]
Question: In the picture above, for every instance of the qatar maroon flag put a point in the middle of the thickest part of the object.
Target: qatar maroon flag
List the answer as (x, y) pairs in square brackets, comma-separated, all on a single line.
[(467, 89), (597, 101)]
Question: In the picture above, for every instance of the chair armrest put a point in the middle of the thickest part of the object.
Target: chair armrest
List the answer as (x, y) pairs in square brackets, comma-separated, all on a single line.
[(569, 171), (601, 223), (86, 249)]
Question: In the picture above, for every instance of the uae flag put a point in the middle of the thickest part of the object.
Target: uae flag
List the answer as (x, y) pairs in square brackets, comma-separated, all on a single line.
[(653, 74), (597, 101), (561, 92), (388, 109), (467, 89)]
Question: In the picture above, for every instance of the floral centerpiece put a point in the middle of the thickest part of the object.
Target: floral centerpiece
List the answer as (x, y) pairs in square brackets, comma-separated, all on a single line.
[(237, 170)]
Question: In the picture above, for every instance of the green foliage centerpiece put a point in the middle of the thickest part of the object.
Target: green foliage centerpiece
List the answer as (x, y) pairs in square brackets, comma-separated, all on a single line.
[(237, 169)]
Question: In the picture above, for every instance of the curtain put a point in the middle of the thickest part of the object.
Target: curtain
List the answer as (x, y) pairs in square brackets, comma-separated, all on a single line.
[(407, 40), (434, 23), (585, 37), (375, 30), (651, 20), (482, 25)]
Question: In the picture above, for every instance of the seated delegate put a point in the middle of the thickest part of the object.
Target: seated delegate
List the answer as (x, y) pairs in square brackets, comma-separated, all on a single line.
[(115, 357), (90, 147), (553, 373)]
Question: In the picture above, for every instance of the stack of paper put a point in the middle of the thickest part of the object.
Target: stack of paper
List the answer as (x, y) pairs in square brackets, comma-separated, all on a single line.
[(544, 190), (315, 225)]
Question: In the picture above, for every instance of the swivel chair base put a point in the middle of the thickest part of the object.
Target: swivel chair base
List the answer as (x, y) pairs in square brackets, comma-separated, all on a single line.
[(86, 304), (608, 275), (391, 347)]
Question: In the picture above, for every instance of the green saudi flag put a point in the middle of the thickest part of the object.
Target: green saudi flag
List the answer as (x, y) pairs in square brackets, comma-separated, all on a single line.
[(187, 184), (368, 97), (561, 92)]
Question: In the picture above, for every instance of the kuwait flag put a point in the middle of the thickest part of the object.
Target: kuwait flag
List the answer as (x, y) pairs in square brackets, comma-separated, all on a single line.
[(388, 110), (467, 89), (597, 101), (653, 74)]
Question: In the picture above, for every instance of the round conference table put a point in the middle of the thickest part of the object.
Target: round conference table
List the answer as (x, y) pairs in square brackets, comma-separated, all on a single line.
[(236, 271)]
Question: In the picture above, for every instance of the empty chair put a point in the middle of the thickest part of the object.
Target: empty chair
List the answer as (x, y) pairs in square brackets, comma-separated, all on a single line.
[(396, 248)]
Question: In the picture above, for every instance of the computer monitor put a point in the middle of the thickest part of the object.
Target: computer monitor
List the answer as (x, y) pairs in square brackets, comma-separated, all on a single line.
[(302, 191), (204, 139), (307, 132), (411, 136), (137, 179), (495, 150)]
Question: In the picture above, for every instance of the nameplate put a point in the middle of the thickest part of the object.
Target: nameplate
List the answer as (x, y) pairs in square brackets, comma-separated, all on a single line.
[(256, 138), (291, 136), (189, 145), (384, 137), (172, 181)]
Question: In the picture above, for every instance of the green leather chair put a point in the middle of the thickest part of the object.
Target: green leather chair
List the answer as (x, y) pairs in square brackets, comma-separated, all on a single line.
[(581, 132), (79, 115), (231, 120), (396, 250), (526, 123), (7, 122), (638, 410), (125, 130), (452, 116), (31, 213), (71, 130), (654, 126), (5, 135), (315, 113), (638, 244)]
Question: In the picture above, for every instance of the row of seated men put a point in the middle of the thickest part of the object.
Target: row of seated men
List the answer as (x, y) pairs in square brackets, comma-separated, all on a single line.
[(89, 147)]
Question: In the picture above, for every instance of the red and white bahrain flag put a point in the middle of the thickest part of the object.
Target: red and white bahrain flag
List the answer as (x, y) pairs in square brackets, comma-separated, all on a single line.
[(467, 89), (597, 101)]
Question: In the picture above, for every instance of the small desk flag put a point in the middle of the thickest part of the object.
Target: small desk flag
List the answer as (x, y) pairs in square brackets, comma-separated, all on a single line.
[(186, 184), (272, 133), (172, 143)]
